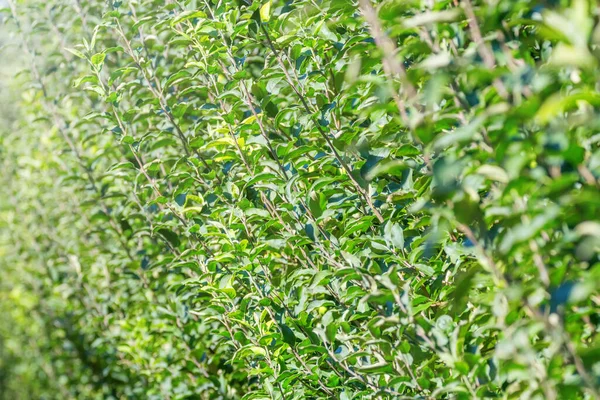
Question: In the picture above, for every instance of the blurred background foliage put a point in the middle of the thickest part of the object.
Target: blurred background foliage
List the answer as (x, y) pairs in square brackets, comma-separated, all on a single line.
[(209, 199)]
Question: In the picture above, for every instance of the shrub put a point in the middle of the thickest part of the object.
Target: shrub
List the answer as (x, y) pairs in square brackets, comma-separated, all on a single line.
[(301, 199)]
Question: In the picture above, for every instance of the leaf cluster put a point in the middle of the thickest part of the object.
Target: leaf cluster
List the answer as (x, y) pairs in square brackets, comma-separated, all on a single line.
[(206, 199)]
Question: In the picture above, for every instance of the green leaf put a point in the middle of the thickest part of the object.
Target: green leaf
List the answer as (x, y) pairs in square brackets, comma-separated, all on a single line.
[(98, 59), (265, 12), (288, 334), (76, 53), (394, 235), (493, 172), (170, 236)]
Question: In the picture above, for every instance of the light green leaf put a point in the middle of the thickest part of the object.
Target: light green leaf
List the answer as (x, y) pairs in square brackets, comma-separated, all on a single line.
[(265, 12)]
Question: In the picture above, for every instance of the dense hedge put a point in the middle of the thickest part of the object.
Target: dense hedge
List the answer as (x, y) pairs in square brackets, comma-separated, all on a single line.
[(300, 199)]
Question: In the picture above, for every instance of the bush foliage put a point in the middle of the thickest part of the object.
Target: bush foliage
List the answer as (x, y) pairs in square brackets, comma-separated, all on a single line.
[(300, 199)]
